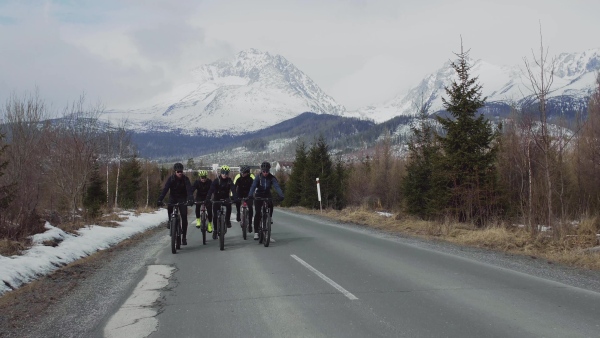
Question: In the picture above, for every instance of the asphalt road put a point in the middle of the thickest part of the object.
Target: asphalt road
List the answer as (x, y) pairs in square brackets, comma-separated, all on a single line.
[(320, 279), (316, 279)]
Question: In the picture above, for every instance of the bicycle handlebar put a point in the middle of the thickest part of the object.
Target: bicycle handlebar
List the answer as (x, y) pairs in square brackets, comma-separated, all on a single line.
[(175, 204)]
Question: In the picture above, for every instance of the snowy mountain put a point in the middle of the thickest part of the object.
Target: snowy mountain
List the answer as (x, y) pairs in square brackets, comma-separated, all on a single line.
[(252, 91), (574, 79)]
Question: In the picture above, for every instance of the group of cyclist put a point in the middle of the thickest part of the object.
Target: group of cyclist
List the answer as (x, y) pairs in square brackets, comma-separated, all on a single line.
[(222, 188)]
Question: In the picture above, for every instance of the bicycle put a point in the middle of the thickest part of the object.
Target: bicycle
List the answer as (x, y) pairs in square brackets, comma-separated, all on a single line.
[(245, 217), (175, 226), (203, 219), (221, 227), (264, 232)]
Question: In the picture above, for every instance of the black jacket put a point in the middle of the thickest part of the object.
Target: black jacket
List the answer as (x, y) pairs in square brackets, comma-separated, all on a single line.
[(180, 190), (243, 184), (221, 188), (202, 189)]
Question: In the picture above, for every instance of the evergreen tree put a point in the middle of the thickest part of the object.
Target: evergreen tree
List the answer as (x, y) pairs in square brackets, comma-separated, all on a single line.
[(469, 150), (293, 193), (95, 196), (422, 196), (339, 184), (319, 165), (129, 184)]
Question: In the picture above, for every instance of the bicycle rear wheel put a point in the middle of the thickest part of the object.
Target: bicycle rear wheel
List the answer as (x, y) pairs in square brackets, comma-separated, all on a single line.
[(222, 232), (267, 231), (244, 222), (173, 233)]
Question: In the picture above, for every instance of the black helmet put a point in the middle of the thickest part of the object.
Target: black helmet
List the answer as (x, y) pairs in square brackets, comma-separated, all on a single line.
[(178, 167), (244, 169), (265, 166)]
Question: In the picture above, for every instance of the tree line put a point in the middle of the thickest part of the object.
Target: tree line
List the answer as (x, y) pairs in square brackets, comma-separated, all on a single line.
[(66, 170), (461, 167)]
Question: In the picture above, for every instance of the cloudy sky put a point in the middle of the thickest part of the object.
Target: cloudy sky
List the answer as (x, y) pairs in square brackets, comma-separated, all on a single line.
[(124, 52)]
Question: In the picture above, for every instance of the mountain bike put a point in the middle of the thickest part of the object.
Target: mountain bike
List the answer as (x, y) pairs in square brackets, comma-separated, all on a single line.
[(245, 217), (203, 219), (264, 232), (221, 227), (175, 226)]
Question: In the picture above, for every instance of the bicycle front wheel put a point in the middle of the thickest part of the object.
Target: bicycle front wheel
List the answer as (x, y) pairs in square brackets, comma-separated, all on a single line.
[(203, 227), (173, 233), (267, 231), (222, 233), (244, 222)]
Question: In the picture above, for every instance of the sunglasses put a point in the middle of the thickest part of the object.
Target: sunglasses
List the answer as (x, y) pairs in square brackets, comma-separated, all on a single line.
[(202, 177), (265, 171), (179, 171)]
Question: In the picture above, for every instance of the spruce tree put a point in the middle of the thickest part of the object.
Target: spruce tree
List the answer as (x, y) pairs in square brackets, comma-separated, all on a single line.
[(293, 193), (95, 196), (469, 150), (422, 194), (319, 165), (129, 184)]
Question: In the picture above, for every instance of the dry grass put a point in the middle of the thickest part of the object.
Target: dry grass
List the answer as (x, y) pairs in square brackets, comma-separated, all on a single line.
[(573, 249), (10, 247)]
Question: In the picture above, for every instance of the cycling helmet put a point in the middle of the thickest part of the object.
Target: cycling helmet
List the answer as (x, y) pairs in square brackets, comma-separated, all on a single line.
[(225, 169), (178, 167), (265, 166), (244, 169), (202, 173)]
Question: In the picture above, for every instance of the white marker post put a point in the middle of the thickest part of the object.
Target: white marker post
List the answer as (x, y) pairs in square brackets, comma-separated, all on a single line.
[(319, 194)]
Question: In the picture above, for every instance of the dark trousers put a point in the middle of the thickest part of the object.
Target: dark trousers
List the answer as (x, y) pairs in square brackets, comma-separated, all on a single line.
[(258, 213), (216, 206), (183, 215), (208, 210), (238, 206)]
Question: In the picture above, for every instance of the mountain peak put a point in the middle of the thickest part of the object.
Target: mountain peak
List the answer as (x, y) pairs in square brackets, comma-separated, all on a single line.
[(249, 91)]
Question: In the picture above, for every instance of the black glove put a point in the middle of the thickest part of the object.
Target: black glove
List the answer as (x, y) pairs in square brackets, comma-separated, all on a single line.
[(190, 203), (159, 203)]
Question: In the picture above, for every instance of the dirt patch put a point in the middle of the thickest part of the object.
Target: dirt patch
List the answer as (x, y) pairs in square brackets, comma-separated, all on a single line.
[(31, 301)]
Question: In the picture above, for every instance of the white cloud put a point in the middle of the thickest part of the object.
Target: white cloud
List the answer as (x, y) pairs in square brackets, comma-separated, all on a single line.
[(127, 51)]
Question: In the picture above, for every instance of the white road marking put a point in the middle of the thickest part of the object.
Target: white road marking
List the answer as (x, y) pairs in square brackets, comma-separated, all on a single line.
[(325, 278), (137, 317)]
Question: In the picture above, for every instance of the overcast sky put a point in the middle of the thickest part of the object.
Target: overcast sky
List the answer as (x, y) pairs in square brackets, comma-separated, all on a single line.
[(123, 52)]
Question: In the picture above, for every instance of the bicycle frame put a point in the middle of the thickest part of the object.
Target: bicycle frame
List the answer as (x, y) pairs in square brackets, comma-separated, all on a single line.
[(176, 227), (265, 222), (221, 226)]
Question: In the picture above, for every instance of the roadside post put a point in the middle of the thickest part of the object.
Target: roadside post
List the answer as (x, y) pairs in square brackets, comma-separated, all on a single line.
[(319, 194)]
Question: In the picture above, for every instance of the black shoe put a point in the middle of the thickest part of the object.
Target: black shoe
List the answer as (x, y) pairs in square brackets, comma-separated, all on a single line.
[(228, 224), (184, 241), (238, 218), (250, 229)]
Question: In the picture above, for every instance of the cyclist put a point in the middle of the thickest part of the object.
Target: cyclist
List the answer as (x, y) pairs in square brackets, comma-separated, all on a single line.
[(180, 190), (262, 187), (221, 187), (201, 186), (243, 182)]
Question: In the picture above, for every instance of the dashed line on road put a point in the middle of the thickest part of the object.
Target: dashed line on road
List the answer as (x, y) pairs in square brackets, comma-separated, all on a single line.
[(325, 278)]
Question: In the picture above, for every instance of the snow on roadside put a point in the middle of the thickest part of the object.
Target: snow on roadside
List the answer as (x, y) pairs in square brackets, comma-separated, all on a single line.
[(41, 259)]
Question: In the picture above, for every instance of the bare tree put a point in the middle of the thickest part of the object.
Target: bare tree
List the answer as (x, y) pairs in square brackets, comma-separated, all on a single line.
[(25, 132), (540, 86), (72, 149)]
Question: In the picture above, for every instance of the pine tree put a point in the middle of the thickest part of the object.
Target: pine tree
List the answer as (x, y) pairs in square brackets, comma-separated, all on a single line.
[(293, 193), (129, 185), (469, 150), (95, 196)]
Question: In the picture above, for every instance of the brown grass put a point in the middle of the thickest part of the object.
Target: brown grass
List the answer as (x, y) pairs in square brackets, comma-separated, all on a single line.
[(573, 249), (10, 247)]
